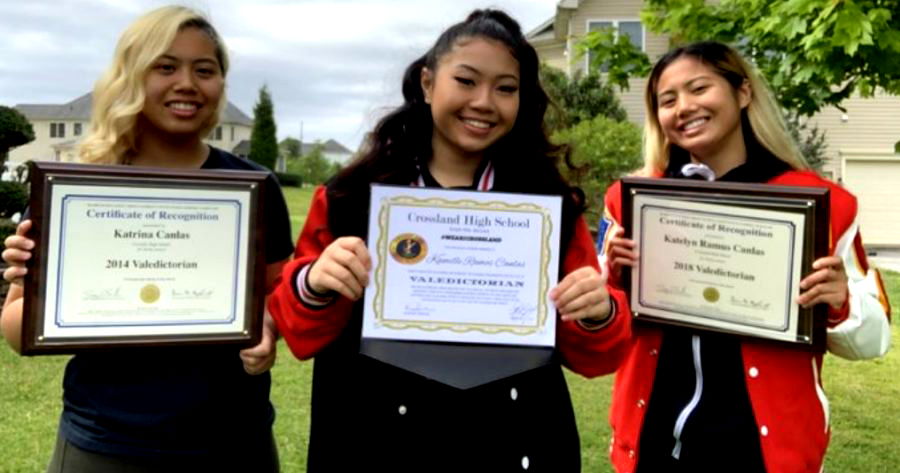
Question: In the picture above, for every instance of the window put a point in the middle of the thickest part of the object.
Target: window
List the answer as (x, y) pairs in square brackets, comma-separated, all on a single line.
[(216, 134), (633, 29), (76, 129), (232, 133), (57, 130)]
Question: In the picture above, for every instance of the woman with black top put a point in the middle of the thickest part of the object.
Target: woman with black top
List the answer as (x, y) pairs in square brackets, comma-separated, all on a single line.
[(163, 409)]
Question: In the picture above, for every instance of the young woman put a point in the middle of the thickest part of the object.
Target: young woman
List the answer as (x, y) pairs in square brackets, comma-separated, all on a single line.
[(689, 400), (472, 119), (163, 409)]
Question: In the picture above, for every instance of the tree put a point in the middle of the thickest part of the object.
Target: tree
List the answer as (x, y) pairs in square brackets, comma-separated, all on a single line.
[(263, 143), (15, 130), (290, 148), (814, 53), (577, 99), (313, 166), (603, 150)]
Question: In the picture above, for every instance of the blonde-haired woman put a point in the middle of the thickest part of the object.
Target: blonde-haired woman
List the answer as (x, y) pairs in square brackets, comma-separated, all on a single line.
[(163, 409), (689, 400)]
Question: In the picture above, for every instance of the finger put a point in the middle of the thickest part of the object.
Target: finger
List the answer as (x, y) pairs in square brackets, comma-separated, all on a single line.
[(15, 257), (828, 261), (582, 282), (571, 280), (591, 312), (355, 267), (15, 274), (331, 283), (23, 227), (362, 255), (582, 303), (19, 242), (819, 277)]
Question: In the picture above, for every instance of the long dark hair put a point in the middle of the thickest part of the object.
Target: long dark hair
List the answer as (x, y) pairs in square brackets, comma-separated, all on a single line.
[(524, 158)]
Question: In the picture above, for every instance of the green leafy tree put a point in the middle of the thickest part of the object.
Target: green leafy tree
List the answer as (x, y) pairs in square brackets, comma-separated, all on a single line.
[(814, 53), (263, 142), (313, 166), (15, 130), (577, 99), (290, 148), (615, 55), (603, 150)]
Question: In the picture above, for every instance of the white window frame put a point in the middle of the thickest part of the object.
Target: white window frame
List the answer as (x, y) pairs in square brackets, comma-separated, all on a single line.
[(615, 24)]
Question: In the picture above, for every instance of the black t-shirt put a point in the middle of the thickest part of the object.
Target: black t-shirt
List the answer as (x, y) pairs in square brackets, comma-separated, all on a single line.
[(175, 401)]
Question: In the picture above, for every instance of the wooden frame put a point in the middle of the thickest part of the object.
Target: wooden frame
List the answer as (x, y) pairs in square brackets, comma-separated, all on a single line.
[(98, 225)]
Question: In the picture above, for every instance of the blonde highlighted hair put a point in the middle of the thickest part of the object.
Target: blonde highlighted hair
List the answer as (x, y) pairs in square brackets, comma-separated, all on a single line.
[(762, 116), (118, 96)]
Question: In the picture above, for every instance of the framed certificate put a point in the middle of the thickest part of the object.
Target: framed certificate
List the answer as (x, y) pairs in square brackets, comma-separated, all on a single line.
[(129, 256), (726, 257)]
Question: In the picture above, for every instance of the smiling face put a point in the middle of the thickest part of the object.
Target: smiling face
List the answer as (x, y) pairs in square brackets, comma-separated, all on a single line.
[(183, 87), (699, 111), (474, 97)]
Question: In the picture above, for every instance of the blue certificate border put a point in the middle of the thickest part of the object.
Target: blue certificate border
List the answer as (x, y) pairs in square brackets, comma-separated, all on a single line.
[(69, 198), (791, 228)]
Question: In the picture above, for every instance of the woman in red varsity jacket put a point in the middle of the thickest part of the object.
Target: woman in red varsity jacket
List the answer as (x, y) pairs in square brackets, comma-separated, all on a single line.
[(472, 119), (690, 400)]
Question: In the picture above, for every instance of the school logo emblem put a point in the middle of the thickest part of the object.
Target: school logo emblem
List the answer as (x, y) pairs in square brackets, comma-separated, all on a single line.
[(408, 248), (711, 294), (150, 293)]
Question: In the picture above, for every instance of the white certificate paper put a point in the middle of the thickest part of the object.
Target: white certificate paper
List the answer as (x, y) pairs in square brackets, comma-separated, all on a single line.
[(158, 263), (462, 266), (725, 267)]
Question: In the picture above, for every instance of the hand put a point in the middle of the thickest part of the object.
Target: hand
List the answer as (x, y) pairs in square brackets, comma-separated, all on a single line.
[(343, 267), (259, 359), (621, 253), (827, 283), (582, 295), (17, 253)]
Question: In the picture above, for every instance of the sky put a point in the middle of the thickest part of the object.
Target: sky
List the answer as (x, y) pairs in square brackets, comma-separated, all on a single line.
[(333, 65)]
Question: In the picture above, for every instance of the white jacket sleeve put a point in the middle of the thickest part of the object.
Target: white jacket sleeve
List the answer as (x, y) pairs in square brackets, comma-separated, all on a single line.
[(866, 332)]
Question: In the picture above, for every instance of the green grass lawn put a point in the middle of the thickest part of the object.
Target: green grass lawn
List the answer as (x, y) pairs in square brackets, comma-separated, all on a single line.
[(865, 398)]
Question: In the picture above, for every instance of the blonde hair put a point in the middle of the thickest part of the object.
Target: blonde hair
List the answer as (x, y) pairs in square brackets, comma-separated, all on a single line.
[(766, 123), (118, 96)]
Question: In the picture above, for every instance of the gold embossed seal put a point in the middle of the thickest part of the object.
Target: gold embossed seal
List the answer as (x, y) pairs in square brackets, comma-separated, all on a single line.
[(150, 293), (711, 294), (408, 248)]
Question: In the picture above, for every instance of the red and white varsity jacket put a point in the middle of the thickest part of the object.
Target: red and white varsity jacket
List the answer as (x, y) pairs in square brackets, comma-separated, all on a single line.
[(789, 404)]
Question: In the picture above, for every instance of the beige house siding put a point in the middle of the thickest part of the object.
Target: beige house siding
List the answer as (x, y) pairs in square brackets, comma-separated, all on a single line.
[(42, 148), (562, 53), (870, 125)]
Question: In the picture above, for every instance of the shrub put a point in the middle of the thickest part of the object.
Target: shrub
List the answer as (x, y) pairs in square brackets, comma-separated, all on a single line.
[(13, 198), (289, 180), (603, 150)]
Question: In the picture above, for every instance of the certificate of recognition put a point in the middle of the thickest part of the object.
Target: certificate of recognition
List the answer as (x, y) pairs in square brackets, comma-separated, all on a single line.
[(158, 261), (462, 266), (719, 262)]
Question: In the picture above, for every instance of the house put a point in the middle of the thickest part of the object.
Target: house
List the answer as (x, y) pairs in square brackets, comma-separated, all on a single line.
[(333, 151), (59, 128), (860, 141)]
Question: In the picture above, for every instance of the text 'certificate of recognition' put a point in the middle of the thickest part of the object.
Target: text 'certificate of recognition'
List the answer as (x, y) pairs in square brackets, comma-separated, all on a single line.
[(462, 266), (130, 265), (730, 268)]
